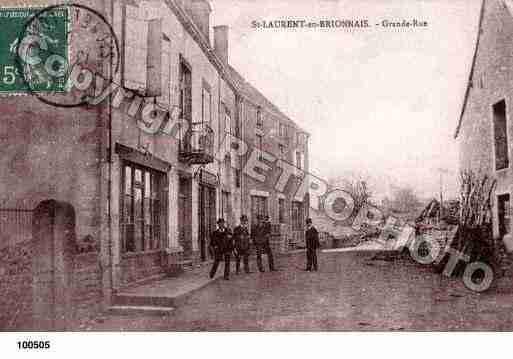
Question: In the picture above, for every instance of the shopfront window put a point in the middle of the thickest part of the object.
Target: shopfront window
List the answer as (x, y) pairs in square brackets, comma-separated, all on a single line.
[(142, 211)]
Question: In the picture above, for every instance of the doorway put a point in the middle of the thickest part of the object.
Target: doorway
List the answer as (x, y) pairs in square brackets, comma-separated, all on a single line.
[(207, 217), (504, 214), (185, 216)]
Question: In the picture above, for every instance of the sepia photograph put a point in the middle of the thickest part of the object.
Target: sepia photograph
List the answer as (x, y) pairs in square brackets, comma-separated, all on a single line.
[(304, 166)]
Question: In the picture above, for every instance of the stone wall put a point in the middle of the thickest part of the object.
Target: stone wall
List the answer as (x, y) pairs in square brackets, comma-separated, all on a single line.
[(86, 287), (490, 83), (15, 286), (140, 266)]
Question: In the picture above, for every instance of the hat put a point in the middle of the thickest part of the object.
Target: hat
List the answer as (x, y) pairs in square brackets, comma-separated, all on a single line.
[(243, 218), (220, 220), (308, 221)]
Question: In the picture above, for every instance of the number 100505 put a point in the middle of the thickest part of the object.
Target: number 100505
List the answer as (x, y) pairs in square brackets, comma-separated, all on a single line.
[(34, 344)]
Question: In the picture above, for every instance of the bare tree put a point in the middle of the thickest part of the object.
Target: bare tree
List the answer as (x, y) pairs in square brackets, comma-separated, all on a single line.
[(357, 187)]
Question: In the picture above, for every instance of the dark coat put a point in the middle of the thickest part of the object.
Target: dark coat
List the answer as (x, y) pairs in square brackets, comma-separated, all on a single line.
[(221, 241), (241, 238), (312, 238), (262, 233)]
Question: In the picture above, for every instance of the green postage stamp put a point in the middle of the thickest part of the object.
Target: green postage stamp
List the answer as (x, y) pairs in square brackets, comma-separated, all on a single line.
[(31, 42)]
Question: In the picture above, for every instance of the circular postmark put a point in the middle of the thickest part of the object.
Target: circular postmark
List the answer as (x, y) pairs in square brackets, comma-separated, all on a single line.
[(67, 55)]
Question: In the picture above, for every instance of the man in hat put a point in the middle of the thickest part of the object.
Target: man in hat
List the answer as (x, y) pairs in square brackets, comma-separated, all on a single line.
[(261, 239), (312, 243), (222, 247), (241, 243)]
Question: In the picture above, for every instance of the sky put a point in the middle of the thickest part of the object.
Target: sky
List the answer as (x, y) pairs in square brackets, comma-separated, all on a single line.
[(381, 103)]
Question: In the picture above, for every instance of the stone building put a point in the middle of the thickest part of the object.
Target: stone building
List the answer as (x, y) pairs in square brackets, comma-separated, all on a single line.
[(267, 129), (484, 129), (100, 197)]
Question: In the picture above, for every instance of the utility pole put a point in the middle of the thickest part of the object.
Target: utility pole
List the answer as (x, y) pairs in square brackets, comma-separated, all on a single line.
[(440, 214), (441, 199)]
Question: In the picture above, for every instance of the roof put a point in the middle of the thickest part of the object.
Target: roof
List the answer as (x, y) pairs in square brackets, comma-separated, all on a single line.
[(228, 73), (471, 73), (257, 98)]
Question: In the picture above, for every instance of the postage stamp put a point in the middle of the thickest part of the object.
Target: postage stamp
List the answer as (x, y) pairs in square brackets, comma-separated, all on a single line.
[(67, 78), (22, 30)]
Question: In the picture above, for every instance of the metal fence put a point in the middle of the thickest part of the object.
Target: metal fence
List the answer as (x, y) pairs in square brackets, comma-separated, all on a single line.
[(15, 225)]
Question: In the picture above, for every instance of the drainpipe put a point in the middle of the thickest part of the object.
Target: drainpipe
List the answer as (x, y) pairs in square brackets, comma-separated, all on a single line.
[(219, 114), (109, 164)]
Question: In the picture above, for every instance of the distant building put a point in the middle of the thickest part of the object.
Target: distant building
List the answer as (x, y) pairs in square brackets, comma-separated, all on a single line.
[(484, 130)]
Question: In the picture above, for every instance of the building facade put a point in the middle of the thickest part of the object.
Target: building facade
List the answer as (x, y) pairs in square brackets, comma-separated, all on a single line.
[(121, 192), (484, 130), (266, 129)]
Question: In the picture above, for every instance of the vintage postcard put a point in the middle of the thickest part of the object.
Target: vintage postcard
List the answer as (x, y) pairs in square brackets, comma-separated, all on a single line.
[(255, 166)]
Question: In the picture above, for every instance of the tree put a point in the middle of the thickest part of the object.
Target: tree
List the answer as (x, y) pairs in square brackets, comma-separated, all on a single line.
[(357, 187), (405, 200)]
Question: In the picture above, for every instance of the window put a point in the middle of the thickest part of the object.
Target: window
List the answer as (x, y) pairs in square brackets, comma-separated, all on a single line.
[(299, 160), (258, 208), (142, 212), (259, 145), (300, 138), (237, 178), (259, 120), (227, 120), (281, 210), (206, 100), (500, 135), (185, 90), (282, 149), (142, 73), (225, 205), (297, 216), (282, 130), (259, 141), (504, 212), (240, 118)]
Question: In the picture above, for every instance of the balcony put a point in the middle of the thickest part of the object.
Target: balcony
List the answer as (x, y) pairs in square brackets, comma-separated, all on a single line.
[(197, 146)]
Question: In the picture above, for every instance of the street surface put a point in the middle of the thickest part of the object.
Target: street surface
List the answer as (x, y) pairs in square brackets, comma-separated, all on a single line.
[(351, 291)]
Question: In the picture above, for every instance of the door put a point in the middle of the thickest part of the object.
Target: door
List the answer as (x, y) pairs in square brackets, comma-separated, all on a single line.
[(207, 218), (184, 217), (258, 208), (504, 214)]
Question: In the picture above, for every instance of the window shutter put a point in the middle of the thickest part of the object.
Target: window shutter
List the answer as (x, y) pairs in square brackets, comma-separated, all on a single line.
[(166, 71), (142, 52), (135, 51), (154, 58)]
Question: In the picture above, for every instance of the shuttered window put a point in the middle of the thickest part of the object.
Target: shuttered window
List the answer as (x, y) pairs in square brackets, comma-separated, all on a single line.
[(142, 53), (164, 99), (206, 99)]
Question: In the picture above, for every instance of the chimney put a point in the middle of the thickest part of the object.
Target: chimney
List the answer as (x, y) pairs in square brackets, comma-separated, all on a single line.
[(199, 11), (221, 42)]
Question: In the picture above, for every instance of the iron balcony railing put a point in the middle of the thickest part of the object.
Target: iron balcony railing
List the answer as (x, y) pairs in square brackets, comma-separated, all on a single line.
[(197, 144)]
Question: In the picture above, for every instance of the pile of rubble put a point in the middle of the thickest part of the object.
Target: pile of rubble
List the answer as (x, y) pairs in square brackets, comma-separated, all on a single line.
[(365, 234)]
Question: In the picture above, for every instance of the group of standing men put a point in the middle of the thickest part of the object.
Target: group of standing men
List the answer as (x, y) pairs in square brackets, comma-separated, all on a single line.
[(223, 243)]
